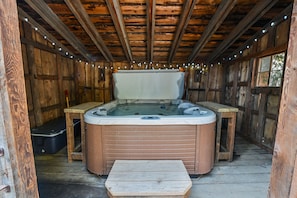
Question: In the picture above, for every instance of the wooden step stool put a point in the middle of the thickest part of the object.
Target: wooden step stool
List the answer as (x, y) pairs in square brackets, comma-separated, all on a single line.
[(148, 178)]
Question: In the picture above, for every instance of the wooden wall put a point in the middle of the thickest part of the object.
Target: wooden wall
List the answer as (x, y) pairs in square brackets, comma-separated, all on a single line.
[(207, 86), (48, 75), (94, 82), (258, 106)]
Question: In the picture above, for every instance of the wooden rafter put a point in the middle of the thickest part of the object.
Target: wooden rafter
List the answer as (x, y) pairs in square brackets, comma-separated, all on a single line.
[(41, 30), (80, 13), (53, 20), (222, 12), (254, 15), (150, 13), (183, 23), (117, 17)]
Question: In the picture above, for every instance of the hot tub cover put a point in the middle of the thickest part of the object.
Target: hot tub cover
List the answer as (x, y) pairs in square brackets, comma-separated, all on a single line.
[(148, 84)]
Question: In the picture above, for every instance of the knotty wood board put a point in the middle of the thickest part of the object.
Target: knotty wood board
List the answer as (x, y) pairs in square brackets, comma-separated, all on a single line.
[(250, 177)]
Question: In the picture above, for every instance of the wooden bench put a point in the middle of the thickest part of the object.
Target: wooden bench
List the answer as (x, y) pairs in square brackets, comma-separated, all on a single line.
[(148, 178), (223, 112), (71, 113)]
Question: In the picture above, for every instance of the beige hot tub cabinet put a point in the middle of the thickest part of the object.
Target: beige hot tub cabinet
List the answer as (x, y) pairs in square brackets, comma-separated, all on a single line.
[(193, 144)]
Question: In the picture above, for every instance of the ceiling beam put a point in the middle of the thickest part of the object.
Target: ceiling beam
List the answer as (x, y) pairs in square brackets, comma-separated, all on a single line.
[(81, 15), (118, 21), (253, 16), (150, 21), (54, 21), (222, 12), (188, 8)]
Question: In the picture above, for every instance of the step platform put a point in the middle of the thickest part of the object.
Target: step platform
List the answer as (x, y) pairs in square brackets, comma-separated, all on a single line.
[(148, 178)]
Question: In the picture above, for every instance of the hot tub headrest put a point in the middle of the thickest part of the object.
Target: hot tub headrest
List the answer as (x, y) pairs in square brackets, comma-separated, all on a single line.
[(185, 105), (192, 111), (102, 111)]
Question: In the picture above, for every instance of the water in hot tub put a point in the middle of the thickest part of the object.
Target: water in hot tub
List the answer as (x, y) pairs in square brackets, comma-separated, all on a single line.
[(145, 109)]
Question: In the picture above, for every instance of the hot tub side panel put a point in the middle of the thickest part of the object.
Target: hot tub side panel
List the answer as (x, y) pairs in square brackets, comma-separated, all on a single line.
[(94, 154), (205, 148), (149, 142)]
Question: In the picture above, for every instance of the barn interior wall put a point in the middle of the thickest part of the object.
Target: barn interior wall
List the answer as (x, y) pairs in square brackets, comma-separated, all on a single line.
[(258, 106), (51, 75)]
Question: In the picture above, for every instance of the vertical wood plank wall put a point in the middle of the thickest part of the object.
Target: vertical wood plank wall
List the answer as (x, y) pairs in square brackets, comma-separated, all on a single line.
[(258, 106), (48, 75), (17, 163), (283, 181)]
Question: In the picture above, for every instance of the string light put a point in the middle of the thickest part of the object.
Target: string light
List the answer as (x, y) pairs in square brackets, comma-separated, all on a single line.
[(277, 20), (151, 65), (45, 36)]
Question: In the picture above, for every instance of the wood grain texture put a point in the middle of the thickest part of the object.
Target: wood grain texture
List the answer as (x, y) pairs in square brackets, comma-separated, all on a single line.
[(245, 177), (284, 156), (147, 178), (150, 30), (14, 104)]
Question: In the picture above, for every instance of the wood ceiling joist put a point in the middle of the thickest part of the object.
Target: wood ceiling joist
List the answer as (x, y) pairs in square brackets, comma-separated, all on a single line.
[(222, 12), (81, 15), (53, 20), (150, 13), (254, 15), (117, 17), (188, 8)]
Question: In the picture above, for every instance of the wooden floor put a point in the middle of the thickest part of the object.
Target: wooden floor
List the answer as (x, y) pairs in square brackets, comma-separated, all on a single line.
[(246, 176)]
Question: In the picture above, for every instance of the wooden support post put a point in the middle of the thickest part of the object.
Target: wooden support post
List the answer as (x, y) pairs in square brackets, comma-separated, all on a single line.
[(223, 87), (60, 83), (284, 167), (248, 100), (261, 117), (33, 76), (17, 161), (235, 82)]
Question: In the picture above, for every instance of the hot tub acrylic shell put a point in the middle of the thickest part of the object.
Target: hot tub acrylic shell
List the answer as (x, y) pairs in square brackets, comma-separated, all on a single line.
[(190, 138)]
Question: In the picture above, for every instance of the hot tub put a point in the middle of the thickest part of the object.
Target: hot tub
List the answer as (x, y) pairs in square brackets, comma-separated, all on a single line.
[(150, 128)]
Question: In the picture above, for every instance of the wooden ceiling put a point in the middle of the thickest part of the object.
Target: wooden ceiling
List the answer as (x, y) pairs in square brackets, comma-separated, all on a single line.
[(169, 31)]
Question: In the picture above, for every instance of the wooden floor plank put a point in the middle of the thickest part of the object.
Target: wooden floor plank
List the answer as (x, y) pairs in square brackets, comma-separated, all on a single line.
[(248, 175)]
